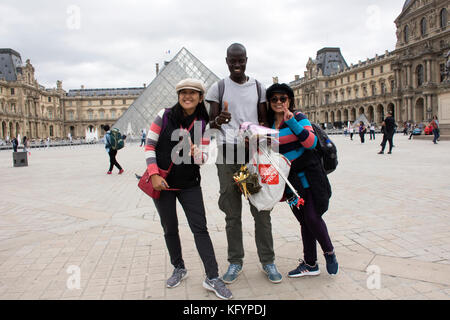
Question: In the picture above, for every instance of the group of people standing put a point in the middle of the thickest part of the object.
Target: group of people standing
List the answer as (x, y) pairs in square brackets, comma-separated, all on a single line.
[(234, 100)]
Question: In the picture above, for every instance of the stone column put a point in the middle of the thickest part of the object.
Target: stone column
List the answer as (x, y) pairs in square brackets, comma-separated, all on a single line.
[(429, 110)]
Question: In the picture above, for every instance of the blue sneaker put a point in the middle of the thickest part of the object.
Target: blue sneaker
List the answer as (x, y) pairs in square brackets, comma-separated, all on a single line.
[(332, 264), (272, 273), (304, 270), (232, 273)]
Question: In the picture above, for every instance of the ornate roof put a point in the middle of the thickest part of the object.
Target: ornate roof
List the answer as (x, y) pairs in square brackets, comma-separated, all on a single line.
[(407, 2)]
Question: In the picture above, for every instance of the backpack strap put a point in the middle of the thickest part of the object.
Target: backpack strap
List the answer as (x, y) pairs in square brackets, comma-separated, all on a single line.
[(221, 85), (165, 119)]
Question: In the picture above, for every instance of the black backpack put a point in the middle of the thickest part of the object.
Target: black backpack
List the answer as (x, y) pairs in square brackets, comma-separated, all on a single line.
[(326, 149)]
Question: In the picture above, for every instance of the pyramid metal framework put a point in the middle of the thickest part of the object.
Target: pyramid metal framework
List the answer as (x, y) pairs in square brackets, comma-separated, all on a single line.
[(161, 92)]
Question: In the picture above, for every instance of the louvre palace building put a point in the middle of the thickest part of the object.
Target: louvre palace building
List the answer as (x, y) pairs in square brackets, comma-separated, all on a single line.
[(409, 81), (29, 109)]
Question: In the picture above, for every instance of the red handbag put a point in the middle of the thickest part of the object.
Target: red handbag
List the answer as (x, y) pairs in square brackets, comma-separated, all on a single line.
[(145, 183)]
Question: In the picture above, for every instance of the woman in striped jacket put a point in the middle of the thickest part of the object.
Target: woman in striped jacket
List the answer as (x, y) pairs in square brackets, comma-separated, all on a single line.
[(297, 143), (183, 181)]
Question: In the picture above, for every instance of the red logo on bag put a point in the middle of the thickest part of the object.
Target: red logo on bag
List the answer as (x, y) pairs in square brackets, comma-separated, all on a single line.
[(269, 175)]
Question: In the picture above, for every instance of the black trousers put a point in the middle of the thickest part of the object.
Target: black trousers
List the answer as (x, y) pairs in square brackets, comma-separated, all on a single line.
[(387, 137), (112, 160), (192, 202)]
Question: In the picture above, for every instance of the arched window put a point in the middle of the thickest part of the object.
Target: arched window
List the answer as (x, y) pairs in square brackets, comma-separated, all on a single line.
[(406, 34), (419, 72), (423, 26), (51, 131), (443, 18)]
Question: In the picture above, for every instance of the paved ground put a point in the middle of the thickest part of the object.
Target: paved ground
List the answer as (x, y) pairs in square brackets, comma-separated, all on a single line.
[(388, 212)]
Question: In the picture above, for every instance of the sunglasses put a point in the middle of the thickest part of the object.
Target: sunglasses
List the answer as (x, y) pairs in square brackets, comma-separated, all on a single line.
[(281, 99)]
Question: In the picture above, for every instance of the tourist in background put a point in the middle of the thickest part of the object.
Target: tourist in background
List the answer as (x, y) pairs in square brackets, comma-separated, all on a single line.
[(372, 131), (111, 152), (435, 125), (388, 133), (362, 131)]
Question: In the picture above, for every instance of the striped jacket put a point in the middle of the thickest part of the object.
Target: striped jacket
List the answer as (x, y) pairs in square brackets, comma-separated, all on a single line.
[(297, 135)]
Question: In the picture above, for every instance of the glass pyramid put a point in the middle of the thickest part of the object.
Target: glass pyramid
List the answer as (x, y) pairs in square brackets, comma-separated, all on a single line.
[(161, 92)]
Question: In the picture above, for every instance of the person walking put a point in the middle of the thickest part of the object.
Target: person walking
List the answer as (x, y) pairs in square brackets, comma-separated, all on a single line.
[(15, 144), (362, 131), (25, 144), (307, 175), (111, 152), (352, 130), (388, 132), (372, 131), (143, 138), (435, 124), (183, 182), (234, 100)]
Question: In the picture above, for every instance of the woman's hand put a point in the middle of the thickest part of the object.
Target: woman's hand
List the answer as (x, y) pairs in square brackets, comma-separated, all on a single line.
[(288, 115), (158, 182)]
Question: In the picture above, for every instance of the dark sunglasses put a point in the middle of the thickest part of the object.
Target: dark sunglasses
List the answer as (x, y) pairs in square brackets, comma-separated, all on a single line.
[(281, 99)]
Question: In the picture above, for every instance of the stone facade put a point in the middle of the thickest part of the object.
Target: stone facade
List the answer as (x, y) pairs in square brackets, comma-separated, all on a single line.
[(407, 81), (29, 109)]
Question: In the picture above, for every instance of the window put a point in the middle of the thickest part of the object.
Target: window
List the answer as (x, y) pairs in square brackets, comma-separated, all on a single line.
[(356, 76), (327, 99), (443, 18), (406, 34), (383, 88), (49, 99), (326, 84), (13, 107), (113, 114), (348, 79), (423, 26), (112, 102), (89, 103), (101, 102), (71, 117), (342, 80), (12, 91), (381, 69), (419, 73), (102, 114), (124, 101), (51, 131), (364, 74), (50, 114), (90, 115), (374, 90), (371, 72)]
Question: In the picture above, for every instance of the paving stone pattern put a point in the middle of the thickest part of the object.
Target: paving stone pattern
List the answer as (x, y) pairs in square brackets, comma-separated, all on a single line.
[(387, 211)]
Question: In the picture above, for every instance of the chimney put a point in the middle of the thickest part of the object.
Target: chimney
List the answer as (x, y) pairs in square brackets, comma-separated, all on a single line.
[(145, 85), (157, 68), (275, 79), (82, 87), (297, 77)]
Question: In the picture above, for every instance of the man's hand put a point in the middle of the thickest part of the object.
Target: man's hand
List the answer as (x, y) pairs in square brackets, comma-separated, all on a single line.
[(224, 116), (159, 184)]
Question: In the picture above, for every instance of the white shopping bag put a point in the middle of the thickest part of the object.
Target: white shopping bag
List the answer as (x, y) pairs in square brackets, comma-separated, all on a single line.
[(266, 166)]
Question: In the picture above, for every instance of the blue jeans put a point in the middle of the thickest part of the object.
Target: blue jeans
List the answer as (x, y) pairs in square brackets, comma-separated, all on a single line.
[(436, 135)]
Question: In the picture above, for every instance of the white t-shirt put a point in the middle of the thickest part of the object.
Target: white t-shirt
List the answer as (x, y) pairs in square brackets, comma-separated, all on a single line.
[(242, 104)]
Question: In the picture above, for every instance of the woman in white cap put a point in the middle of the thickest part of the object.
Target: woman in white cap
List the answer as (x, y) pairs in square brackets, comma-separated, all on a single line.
[(183, 180)]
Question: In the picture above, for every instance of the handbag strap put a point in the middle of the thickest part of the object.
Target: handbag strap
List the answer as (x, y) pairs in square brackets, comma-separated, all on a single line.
[(189, 129)]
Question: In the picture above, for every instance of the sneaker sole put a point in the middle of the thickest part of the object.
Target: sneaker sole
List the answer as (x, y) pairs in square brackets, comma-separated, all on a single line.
[(273, 281), (232, 281), (171, 287), (311, 273), (208, 287)]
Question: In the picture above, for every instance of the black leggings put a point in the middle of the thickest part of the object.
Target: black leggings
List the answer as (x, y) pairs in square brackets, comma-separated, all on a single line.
[(192, 202), (112, 160)]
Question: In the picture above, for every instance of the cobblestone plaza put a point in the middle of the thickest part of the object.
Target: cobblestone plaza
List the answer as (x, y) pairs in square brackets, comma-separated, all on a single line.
[(389, 213)]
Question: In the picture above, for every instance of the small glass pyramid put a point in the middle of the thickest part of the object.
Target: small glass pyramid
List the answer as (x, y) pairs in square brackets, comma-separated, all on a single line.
[(161, 92)]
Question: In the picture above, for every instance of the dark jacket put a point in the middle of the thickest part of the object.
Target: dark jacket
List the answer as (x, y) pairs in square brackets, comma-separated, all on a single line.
[(320, 187), (181, 176), (390, 125)]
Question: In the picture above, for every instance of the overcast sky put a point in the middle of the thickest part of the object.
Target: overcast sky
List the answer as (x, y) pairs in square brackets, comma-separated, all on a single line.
[(111, 44)]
